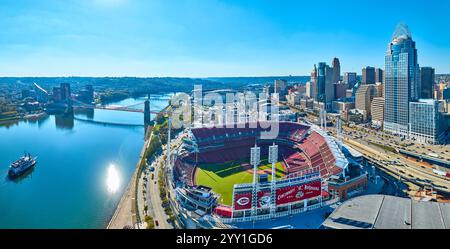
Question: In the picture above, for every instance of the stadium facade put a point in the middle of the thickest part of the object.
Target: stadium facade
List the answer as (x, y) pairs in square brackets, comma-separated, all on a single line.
[(308, 156)]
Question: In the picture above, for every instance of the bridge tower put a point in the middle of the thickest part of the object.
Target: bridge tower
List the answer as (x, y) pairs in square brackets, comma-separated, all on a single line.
[(147, 116), (69, 109)]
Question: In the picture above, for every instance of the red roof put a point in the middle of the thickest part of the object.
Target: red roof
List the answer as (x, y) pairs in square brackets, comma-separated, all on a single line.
[(325, 193), (224, 211)]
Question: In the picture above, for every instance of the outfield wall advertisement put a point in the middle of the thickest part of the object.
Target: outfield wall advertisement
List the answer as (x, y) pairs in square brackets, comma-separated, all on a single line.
[(243, 200), (284, 195), (297, 193)]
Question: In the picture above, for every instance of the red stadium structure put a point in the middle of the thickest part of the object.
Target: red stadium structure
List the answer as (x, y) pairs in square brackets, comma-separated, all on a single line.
[(293, 195), (308, 155)]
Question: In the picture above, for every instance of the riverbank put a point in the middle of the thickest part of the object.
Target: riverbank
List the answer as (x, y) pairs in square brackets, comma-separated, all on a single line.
[(125, 214)]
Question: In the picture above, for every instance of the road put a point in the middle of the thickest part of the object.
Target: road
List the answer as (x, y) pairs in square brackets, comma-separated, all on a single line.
[(406, 169), (154, 200), (442, 151), (371, 142)]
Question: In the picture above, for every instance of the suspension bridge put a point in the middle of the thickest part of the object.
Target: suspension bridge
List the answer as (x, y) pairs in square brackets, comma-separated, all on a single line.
[(129, 108), (135, 107)]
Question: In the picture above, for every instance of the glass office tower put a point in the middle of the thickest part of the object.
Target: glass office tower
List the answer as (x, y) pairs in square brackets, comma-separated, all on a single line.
[(402, 81), (426, 121)]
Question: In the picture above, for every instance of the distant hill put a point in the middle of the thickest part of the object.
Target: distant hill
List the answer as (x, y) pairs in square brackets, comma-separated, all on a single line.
[(259, 80), (139, 86), (131, 84)]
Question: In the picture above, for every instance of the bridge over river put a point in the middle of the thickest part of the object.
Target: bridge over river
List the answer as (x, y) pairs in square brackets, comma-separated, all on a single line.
[(130, 108), (107, 123)]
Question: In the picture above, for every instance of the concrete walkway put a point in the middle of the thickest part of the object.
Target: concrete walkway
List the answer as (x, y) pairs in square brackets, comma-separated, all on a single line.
[(125, 214)]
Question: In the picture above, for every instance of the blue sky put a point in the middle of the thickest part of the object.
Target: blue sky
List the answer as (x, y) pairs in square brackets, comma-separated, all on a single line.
[(201, 38)]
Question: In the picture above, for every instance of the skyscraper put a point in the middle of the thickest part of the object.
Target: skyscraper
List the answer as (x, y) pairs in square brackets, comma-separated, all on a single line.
[(364, 97), (427, 82), (350, 79), (379, 75), (379, 91), (340, 89), (402, 82), (313, 86), (280, 88), (336, 70), (368, 75), (324, 85), (426, 121), (308, 89)]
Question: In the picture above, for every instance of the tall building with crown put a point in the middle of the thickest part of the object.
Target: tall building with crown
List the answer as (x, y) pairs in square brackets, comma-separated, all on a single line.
[(402, 81)]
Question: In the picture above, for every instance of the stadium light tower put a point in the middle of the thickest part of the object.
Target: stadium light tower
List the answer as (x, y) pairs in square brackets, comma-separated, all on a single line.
[(323, 119), (273, 158), (339, 130), (255, 155)]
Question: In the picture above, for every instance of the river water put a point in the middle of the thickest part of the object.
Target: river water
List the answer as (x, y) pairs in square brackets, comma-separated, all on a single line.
[(84, 165)]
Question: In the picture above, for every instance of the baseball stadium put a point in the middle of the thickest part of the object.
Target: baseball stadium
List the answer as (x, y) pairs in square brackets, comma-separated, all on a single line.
[(218, 160)]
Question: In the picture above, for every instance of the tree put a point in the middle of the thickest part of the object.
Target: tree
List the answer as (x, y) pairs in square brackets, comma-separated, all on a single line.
[(150, 222), (171, 219)]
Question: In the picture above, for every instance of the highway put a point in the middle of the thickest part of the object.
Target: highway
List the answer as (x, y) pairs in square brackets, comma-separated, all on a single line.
[(403, 167), (375, 145), (442, 151)]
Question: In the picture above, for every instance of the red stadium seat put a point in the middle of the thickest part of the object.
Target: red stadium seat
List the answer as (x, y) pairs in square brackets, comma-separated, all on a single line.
[(299, 150)]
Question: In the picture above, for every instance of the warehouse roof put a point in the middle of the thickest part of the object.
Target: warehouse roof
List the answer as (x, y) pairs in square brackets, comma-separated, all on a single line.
[(389, 212)]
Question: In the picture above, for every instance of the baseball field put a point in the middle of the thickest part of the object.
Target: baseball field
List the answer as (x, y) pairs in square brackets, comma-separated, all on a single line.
[(221, 177)]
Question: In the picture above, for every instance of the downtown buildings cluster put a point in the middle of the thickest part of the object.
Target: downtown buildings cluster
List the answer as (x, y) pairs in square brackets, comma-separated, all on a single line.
[(403, 99)]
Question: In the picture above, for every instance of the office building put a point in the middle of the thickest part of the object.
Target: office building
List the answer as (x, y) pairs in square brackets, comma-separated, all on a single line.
[(402, 81), (377, 111), (324, 85), (308, 89), (355, 116), (427, 76), (307, 103), (280, 89), (446, 94), (350, 79), (294, 98), (336, 70), (379, 89), (340, 89), (363, 99), (426, 121), (349, 93), (368, 75), (379, 75), (343, 107), (313, 85)]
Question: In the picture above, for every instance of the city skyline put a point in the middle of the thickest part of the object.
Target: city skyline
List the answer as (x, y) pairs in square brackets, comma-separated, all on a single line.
[(213, 39)]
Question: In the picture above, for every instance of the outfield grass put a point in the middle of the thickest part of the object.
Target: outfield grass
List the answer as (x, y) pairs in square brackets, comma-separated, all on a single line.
[(222, 177)]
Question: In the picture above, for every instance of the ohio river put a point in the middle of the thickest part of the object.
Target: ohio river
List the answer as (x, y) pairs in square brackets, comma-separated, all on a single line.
[(82, 171)]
